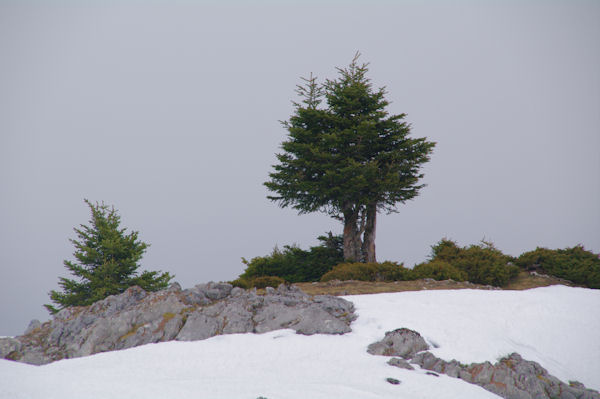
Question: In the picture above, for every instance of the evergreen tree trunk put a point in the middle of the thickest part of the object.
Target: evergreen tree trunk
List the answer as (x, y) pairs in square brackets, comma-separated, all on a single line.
[(352, 232), (368, 245)]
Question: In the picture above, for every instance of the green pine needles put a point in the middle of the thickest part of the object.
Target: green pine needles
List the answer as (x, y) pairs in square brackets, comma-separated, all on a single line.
[(106, 262), (347, 157)]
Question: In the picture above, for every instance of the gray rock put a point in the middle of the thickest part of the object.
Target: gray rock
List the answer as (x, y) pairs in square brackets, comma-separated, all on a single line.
[(400, 363), (215, 291), (174, 287), (33, 324), (137, 317), (157, 330), (275, 316), (589, 394), (453, 368), (576, 384), (516, 378), (463, 374), (198, 326), (292, 309), (567, 395), (428, 361), (482, 373), (195, 297), (511, 377), (401, 342), (119, 321), (285, 289), (337, 306), (228, 317), (236, 318), (393, 381), (315, 320), (35, 357), (8, 346)]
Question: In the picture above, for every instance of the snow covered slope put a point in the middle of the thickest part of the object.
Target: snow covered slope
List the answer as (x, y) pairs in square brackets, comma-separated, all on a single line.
[(557, 327)]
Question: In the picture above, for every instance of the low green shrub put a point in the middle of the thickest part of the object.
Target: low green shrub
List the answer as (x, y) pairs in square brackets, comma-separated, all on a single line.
[(297, 265), (483, 263), (258, 282), (439, 270), (267, 281), (242, 283), (575, 264), (386, 271)]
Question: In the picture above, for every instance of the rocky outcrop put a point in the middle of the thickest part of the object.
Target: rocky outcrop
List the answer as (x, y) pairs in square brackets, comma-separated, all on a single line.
[(9, 346), (512, 377), (400, 363), (401, 342), (137, 317)]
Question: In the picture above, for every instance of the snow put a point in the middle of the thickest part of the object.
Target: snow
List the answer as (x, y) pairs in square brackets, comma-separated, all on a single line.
[(555, 326)]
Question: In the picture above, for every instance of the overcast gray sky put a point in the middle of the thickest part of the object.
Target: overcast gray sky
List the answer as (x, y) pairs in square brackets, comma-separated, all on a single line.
[(170, 113)]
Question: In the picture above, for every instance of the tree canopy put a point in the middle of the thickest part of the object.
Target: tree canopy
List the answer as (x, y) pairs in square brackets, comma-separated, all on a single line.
[(347, 157), (106, 262)]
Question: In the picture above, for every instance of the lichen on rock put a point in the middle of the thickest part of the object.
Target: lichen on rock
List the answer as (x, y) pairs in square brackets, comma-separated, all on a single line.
[(137, 317)]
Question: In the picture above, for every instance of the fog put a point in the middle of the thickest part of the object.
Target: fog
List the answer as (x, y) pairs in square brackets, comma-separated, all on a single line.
[(170, 112)]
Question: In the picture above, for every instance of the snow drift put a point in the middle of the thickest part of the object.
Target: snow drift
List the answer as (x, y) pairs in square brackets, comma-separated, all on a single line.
[(554, 326)]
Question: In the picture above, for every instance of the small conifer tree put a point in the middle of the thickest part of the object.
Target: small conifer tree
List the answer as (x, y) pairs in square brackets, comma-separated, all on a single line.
[(106, 262)]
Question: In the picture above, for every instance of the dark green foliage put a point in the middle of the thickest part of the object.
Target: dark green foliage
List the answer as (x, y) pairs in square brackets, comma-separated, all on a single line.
[(242, 283), (258, 282), (438, 270), (297, 265), (345, 153), (483, 264), (106, 262), (385, 271), (267, 281), (351, 149), (575, 264)]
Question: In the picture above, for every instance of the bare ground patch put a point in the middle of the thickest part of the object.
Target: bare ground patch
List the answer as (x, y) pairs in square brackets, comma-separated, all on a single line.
[(524, 281)]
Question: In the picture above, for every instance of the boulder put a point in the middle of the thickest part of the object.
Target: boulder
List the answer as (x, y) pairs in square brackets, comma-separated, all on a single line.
[(401, 342), (316, 320), (288, 307)]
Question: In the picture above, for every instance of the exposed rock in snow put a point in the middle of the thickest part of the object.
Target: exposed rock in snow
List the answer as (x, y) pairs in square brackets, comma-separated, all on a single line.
[(137, 317), (9, 347), (33, 324), (401, 342), (400, 363), (512, 377)]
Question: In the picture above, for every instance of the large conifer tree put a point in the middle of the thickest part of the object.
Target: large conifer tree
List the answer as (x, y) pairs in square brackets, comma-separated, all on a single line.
[(106, 262), (348, 157)]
